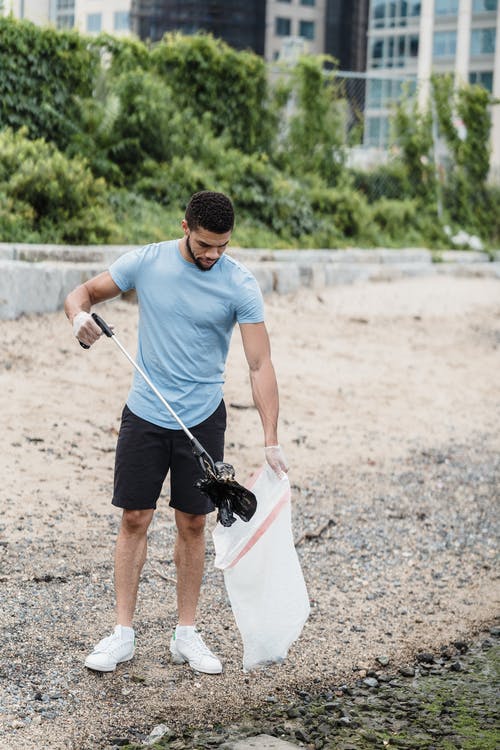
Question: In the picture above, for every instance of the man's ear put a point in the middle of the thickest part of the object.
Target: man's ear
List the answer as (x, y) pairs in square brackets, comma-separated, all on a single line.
[(184, 226)]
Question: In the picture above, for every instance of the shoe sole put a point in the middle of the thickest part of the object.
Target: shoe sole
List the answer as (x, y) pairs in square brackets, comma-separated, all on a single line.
[(107, 669)]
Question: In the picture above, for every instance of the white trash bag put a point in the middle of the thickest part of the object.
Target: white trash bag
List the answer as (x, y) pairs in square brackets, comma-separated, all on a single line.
[(262, 573)]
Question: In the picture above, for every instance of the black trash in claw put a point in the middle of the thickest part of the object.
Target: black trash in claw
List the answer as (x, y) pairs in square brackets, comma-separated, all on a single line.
[(227, 495)]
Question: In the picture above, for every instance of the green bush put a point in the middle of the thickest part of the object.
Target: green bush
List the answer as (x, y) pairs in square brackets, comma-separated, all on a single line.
[(313, 140), (386, 181), (16, 220), (66, 203), (207, 75), (42, 73), (344, 207)]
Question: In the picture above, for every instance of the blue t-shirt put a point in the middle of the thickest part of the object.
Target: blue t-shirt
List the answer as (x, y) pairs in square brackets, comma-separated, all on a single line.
[(186, 318)]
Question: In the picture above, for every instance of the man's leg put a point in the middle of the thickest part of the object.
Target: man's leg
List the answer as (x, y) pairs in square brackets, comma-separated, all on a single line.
[(130, 555), (187, 644), (189, 557)]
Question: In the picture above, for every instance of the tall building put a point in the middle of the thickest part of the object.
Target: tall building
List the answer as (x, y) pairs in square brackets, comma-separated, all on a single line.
[(271, 28), (346, 26), (240, 24), (88, 16), (294, 24), (409, 40)]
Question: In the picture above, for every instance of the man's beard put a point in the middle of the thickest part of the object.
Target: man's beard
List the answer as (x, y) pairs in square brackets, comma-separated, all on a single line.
[(195, 260)]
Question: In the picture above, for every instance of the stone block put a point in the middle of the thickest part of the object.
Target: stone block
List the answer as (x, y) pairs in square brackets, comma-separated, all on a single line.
[(286, 277), (259, 742), (348, 273), (464, 256)]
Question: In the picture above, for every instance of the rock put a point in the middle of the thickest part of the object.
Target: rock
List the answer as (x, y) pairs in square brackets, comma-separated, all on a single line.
[(383, 660), (407, 671), (157, 733), (425, 658)]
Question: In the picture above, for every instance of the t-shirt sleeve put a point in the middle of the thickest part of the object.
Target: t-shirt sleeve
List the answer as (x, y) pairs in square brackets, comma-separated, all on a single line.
[(250, 303), (124, 269)]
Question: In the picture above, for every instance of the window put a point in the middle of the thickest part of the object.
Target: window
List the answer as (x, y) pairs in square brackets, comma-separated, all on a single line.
[(445, 43), (379, 13), (285, 1), (482, 42), (377, 53), (394, 13), (377, 131), (94, 23), (484, 6), (306, 29), (65, 21), (374, 93), (282, 26), (413, 45), (483, 78), (308, 2), (446, 7), (393, 51), (65, 5), (121, 20)]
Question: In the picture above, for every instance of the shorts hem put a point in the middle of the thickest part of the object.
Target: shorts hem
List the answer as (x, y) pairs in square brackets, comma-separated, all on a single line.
[(132, 506)]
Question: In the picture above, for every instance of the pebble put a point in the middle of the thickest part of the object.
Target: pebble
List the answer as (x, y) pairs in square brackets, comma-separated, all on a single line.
[(407, 671), (407, 712), (455, 538)]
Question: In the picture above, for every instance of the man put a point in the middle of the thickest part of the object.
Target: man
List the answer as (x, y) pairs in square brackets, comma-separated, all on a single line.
[(190, 296)]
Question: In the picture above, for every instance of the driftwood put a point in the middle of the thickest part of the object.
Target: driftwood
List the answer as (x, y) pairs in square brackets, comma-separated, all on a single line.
[(162, 575), (314, 534)]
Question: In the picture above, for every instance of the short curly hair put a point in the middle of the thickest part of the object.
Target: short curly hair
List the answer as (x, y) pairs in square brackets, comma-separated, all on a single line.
[(211, 211)]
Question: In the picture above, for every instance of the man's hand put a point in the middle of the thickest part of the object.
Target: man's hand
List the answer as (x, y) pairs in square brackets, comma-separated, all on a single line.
[(276, 460), (85, 328)]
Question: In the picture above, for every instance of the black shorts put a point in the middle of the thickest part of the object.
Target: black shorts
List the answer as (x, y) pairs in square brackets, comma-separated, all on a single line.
[(145, 453)]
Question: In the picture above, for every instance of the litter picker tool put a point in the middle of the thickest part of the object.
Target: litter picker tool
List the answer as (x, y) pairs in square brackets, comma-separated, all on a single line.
[(228, 496)]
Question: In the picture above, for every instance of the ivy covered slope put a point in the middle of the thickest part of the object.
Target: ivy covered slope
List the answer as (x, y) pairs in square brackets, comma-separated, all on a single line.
[(104, 140)]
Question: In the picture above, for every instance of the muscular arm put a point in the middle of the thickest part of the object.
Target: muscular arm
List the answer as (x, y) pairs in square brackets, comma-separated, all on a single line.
[(98, 289), (262, 378)]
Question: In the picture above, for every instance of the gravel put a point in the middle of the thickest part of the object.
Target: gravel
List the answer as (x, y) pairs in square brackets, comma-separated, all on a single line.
[(402, 568), (389, 404)]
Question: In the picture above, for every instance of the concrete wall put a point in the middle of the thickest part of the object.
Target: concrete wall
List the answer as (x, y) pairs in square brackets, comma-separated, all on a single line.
[(36, 278)]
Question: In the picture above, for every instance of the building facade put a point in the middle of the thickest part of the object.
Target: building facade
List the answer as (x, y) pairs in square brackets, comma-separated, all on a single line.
[(241, 25), (294, 25), (275, 29), (409, 40), (88, 16), (346, 26)]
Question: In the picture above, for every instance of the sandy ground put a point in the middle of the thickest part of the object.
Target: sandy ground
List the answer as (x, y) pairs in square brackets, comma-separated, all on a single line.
[(390, 407)]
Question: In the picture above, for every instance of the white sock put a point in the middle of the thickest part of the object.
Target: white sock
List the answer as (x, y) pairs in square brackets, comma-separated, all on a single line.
[(184, 631), (125, 633)]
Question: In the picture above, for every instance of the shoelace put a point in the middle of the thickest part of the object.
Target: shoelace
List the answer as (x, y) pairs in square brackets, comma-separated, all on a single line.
[(200, 647), (107, 643)]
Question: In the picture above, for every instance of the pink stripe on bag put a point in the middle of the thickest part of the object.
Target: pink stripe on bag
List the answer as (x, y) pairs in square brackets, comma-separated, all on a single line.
[(284, 499)]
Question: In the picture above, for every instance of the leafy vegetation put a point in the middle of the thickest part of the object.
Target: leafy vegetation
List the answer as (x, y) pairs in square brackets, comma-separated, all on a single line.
[(105, 139)]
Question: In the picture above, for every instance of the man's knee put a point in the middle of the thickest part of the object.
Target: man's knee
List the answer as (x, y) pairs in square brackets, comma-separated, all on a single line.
[(136, 521), (189, 526)]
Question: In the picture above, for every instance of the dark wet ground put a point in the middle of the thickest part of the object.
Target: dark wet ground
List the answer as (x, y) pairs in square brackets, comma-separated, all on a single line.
[(445, 700)]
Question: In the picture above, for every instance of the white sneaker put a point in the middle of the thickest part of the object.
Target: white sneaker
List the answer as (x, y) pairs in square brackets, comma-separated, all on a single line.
[(195, 652), (111, 651)]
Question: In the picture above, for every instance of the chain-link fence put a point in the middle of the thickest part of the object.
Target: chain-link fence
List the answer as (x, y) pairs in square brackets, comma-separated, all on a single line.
[(369, 101)]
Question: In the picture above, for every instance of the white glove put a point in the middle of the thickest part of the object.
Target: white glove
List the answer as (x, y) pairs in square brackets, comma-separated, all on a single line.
[(85, 328), (276, 460)]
